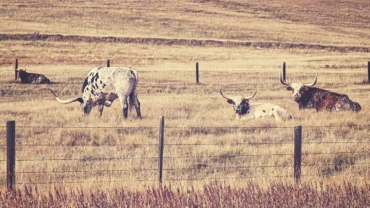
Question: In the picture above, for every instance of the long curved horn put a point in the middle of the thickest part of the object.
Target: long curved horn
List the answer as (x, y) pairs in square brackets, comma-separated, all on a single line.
[(282, 81), (224, 96), (247, 98), (71, 100), (313, 83)]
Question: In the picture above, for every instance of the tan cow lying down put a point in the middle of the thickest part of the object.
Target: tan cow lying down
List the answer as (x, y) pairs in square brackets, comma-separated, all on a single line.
[(245, 110)]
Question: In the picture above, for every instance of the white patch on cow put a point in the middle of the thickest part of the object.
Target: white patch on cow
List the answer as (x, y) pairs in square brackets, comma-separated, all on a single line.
[(265, 110)]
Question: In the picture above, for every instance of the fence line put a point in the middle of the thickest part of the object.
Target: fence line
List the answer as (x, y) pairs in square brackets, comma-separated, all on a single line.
[(197, 163), (283, 66)]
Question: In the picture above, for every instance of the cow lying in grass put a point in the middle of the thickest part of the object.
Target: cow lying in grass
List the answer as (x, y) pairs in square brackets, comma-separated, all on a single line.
[(309, 97), (245, 110), (32, 78)]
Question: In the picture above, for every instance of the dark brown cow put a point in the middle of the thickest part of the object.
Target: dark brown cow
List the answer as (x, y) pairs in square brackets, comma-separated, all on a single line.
[(32, 78), (309, 97)]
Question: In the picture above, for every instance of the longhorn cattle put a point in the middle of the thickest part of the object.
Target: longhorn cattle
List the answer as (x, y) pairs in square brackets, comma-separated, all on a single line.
[(32, 78), (245, 110), (105, 84), (309, 97)]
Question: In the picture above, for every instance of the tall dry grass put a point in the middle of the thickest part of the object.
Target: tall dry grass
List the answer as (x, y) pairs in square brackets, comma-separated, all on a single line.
[(211, 195)]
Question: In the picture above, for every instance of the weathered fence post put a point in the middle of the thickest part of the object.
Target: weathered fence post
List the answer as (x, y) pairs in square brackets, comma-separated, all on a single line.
[(197, 72), (10, 155), (160, 149), (368, 71), (15, 69), (297, 153), (284, 72), (108, 62)]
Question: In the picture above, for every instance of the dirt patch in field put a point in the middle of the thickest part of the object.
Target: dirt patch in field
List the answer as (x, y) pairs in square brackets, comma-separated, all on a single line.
[(186, 42)]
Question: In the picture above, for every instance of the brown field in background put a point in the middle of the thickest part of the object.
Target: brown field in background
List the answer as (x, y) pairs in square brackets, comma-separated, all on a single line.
[(240, 47)]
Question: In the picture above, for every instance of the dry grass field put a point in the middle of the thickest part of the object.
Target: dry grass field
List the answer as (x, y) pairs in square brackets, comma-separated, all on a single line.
[(240, 47)]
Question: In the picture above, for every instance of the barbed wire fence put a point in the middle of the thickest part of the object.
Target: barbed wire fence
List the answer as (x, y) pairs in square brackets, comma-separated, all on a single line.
[(112, 155)]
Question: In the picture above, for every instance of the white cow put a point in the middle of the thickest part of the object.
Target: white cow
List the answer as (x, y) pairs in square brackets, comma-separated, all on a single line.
[(105, 84), (245, 110)]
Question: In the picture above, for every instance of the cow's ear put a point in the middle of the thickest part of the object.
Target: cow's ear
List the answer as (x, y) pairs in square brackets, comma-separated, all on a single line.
[(289, 88), (305, 88), (230, 101), (80, 100)]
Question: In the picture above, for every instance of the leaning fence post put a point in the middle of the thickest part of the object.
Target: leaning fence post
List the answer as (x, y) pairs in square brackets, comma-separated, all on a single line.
[(160, 149), (197, 72), (10, 155), (108, 62), (297, 153), (284, 72), (15, 69)]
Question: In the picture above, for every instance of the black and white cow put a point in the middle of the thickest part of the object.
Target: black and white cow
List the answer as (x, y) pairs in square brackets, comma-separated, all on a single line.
[(245, 110), (105, 84)]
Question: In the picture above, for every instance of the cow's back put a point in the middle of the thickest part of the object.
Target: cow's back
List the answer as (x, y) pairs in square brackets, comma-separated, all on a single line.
[(268, 109), (321, 99), (111, 79)]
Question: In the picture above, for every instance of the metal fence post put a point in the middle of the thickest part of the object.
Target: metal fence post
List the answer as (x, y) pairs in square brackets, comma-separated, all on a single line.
[(197, 72), (368, 71), (284, 72), (15, 69), (160, 149), (108, 62), (297, 153), (10, 155)]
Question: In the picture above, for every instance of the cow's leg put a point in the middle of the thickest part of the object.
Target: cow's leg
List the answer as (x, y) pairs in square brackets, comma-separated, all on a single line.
[(135, 101), (124, 104), (137, 107), (101, 108)]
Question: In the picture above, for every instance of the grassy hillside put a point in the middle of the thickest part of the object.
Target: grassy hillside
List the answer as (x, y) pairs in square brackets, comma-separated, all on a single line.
[(324, 22)]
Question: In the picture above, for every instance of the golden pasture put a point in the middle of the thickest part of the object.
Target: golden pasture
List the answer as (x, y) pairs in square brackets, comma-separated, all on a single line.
[(203, 141)]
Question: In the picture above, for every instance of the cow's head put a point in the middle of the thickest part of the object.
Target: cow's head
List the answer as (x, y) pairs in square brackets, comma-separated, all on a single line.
[(240, 104), (87, 103), (297, 88), (21, 72)]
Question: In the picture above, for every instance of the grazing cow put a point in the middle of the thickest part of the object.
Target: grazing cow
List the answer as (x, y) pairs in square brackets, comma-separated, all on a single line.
[(105, 84), (244, 110), (319, 99), (32, 78)]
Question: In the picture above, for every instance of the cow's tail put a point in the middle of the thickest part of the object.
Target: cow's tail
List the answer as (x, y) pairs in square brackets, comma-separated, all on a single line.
[(132, 97)]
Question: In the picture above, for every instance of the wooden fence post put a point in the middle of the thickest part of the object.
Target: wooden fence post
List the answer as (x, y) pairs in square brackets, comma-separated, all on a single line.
[(197, 72), (297, 153), (160, 149), (368, 71), (108, 62), (284, 72), (15, 69), (10, 155)]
